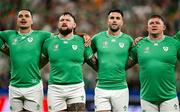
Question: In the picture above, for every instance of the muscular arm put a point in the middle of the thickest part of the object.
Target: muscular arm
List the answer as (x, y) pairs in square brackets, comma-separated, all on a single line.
[(130, 64), (5, 49), (93, 62), (44, 60)]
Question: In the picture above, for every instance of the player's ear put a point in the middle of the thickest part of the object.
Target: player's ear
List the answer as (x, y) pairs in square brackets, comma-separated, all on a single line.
[(74, 26), (164, 27)]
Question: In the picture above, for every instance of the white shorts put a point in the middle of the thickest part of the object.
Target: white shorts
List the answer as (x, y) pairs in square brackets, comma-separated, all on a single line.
[(30, 98), (111, 100), (171, 105), (59, 96)]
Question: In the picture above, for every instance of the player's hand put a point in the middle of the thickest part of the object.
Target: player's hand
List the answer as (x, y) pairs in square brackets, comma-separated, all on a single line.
[(137, 40), (87, 40), (86, 37)]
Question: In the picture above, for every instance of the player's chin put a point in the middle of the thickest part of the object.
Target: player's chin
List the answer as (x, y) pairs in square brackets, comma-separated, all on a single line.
[(24, 26)]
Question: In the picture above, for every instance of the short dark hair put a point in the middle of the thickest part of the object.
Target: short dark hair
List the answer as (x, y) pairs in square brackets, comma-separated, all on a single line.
[(70, 14), (25, 10), (157, 16), (116, 10)]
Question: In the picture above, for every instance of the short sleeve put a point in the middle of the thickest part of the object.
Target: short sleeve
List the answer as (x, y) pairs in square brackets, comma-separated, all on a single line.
[(88, 52), (133, 54), (93, 44)]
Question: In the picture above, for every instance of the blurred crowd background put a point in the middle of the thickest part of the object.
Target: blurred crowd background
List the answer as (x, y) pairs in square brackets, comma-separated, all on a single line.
[(91, 16)]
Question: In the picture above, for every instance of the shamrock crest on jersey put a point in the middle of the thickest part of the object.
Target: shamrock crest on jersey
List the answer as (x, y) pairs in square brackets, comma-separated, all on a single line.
[(121, 45), (30, 39), (74, 47), (165, 49)]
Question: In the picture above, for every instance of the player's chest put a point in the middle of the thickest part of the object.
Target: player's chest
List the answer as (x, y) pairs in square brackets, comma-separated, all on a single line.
[(65, 49), (111, 45), (157, 51), (24, 42)]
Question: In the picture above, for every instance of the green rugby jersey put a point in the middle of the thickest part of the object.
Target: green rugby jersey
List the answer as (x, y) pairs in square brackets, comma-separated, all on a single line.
[(25, 53), (112, 54), (157, 61), (66, 57), (1, 43), (177, 35)]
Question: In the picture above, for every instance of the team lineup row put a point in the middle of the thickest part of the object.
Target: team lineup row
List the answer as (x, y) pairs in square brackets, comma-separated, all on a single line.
[(29, 50)]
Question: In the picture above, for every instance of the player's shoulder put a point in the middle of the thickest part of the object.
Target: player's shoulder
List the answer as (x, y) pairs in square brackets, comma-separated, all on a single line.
[(41, 32), (9, 31), (99, 35), (169, 38), (78, 37), (125, 35), (143, 41), (51, 39)]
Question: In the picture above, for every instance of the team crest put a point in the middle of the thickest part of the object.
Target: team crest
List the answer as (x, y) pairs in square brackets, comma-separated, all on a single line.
[(30, 39), (165, 49), (74, 47), (14, 41), (121, 45)]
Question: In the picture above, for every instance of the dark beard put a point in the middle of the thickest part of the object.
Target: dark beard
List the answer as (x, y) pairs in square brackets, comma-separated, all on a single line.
[(65, 32), (114, 30)]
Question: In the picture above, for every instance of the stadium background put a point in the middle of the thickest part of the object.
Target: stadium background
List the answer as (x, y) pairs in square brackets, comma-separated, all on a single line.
[(91, 18)]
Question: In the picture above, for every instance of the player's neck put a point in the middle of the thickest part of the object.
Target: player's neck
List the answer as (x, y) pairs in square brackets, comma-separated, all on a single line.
[(114, 33), (156, 36), (66, 36), (25, 31)]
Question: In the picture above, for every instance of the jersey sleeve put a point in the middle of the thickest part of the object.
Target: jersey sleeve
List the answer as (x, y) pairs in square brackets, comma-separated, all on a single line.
[(133, 54), (44, 48), (178, 50), (177, 36), (88, 52), (3, 35), (2, 45), (93, 44)]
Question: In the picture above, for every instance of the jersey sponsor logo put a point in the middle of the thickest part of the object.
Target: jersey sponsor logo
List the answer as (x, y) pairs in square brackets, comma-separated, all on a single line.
[(14, 41), (74, 47), (121, 45), (155, 44), (23, 37), (105, 44), (113, 40), (146, 50), (165, 49), (65, 42), (30, 39)]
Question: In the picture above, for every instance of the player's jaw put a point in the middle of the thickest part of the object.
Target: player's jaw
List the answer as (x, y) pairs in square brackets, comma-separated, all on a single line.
[(65, 31), (23, 24), (114, 27), (155, 30)]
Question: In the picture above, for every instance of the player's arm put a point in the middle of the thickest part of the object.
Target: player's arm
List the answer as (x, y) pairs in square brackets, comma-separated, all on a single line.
[(4, 47), (44, 60), (132, 60), (93, 62), (130, 63), (44, 57), (136, 40)]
